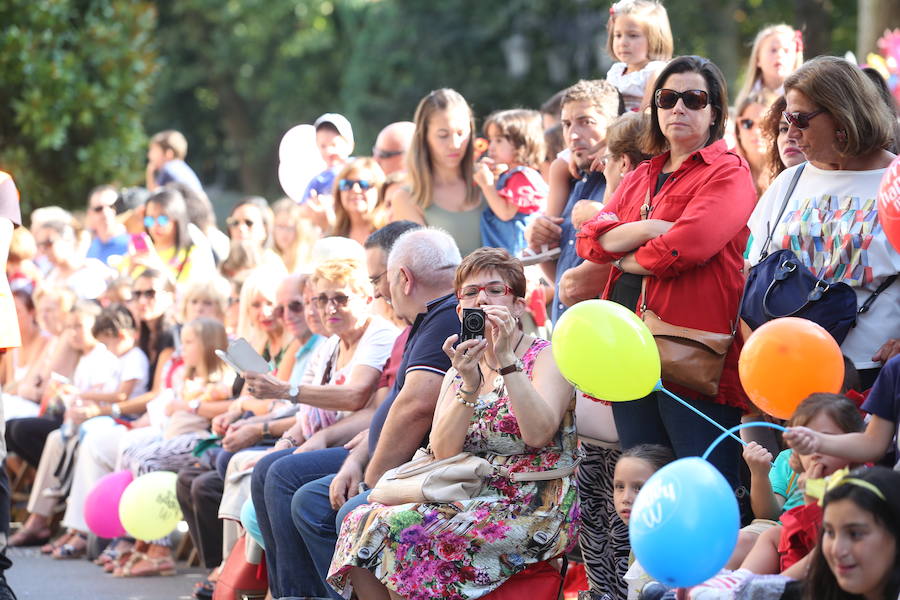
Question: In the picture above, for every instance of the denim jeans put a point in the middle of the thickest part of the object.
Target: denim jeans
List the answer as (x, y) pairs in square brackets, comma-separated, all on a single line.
[(658, 419), (275, 479), (319, 524)]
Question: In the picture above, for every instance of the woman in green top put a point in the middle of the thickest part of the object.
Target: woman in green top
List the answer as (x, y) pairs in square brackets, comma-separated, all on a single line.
[(441, 192)]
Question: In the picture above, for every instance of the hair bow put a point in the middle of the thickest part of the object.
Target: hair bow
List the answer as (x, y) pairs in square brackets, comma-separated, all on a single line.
[(817, 488), (798, 40)]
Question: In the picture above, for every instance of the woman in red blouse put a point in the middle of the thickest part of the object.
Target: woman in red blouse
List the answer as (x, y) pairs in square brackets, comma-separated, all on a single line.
[(679, 221)]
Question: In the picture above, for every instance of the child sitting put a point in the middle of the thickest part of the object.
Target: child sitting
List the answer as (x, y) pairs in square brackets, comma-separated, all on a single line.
[(509, 177), (165, 161), (640, 39)]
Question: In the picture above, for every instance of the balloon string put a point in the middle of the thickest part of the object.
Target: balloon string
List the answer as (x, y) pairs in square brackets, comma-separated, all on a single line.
[(736, 428), (660, 388)]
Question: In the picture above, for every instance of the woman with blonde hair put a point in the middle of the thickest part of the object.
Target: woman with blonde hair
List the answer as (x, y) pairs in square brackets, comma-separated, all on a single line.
[(777, 52), (293, 236), (440, 167), (257, 322), (356, 191)]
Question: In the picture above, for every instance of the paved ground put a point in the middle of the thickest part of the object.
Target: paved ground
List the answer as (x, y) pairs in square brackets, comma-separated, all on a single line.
[(37, 577)]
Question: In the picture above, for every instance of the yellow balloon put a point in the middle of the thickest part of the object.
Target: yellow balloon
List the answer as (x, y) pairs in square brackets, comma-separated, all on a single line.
[(149, 509), (605, 350)]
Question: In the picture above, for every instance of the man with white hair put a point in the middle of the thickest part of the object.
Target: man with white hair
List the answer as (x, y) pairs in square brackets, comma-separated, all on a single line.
[(420, 271)]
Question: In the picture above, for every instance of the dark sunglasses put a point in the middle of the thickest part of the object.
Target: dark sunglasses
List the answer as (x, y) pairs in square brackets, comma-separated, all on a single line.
[(747, 123), (800, 120), (295, 306), (385, 154), (161, 220), (148, 294), (322, 300), (347, 184), (693, 99), (232, 222)]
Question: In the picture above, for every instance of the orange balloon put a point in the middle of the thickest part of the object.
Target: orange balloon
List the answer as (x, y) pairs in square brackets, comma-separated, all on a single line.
[(786, 360)]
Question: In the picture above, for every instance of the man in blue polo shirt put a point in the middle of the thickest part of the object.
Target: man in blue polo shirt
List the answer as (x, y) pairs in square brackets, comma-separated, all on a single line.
[(587, 108), (109, 237), (419, 272)]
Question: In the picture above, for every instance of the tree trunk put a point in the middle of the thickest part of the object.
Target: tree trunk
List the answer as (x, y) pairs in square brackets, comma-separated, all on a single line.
[(874, 17)]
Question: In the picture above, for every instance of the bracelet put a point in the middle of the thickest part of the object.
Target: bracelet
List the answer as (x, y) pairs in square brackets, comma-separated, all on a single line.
[(289, 438), (461, 400), (265, 429), (462, 390), (618, 263), (115, 411)]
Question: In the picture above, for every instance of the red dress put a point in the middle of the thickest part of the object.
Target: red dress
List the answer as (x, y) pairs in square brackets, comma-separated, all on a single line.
[(697, 265)]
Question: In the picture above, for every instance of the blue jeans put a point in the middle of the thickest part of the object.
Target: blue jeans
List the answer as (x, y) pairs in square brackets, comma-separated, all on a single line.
[(275, 479), (319, 524), (658, 419)]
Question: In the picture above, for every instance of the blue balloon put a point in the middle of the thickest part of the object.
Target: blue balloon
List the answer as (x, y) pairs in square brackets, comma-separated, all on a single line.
[(684, 523)]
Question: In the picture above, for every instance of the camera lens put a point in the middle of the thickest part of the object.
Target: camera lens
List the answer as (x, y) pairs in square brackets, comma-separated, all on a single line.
[(474, 322)]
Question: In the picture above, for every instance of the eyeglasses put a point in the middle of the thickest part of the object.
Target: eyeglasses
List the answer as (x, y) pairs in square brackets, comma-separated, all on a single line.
[(374, 280), (800, 120), (747, 123), (323, 300), (232, 222), (295, 306), (347, 184), (148, 294), (693, 99), (385, 154), (492, 290), (161, 220), (232, 300)]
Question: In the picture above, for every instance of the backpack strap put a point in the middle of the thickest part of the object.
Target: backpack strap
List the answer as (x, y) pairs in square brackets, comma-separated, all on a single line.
[(884, 285)]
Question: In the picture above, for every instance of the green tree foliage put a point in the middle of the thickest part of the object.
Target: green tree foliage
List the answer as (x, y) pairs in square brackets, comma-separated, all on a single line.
[(77, 77)]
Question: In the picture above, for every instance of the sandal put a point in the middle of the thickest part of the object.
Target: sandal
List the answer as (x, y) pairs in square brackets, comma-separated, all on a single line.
[(115, 567), (51, 547), (112, 552), (163, 565), (203, 590), (30, 537), (72, 549), (530, 257)]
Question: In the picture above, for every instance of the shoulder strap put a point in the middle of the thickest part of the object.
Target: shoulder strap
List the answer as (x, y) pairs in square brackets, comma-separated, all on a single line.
[(884, 285), (787, 196)]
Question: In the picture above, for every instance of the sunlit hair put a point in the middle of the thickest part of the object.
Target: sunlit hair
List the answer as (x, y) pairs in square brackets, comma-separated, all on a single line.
[(820, 582), (265, 213), (523, 128), (769, 127), (492, 259), (852, 100), (654, 141), (599, 93), (654, 21), (215, 289), (160, 280), (352, 170), (171, 140), (263, 282), (624, 134), (212, 336), (345, 272), (838, 408), (429, 253), (297, 255), (754, 72), (22, 245), (419, 162), (114, 320)]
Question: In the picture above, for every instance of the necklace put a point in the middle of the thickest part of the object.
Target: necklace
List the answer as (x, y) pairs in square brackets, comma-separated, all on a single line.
[(499, 383)]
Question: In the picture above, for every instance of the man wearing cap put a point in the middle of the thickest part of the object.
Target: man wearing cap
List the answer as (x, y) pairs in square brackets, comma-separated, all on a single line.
[(334, 137)]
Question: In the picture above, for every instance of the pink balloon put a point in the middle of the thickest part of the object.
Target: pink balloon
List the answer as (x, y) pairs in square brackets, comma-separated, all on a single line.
[(889, 203), (101, 509)]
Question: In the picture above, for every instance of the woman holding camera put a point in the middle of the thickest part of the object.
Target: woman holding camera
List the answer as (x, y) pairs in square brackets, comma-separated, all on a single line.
[(504, 401)]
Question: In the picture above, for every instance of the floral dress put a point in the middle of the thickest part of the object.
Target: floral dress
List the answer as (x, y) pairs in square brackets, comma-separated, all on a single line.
[(466, 549)]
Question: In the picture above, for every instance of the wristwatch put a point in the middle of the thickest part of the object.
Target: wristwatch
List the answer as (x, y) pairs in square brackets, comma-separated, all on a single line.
[(618, 263), (115, 411), (516, 366), (294, 394), (194, 405)]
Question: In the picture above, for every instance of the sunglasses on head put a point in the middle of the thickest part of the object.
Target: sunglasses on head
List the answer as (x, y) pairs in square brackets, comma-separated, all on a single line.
[(232, 222), (323, 300), (161, 220), (148, 294), (385, 154), (800, 120), (295, 306), (693, 99), (347, 184)]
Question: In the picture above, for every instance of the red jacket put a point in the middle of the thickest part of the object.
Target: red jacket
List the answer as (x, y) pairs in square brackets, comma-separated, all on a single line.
[(698, 264)]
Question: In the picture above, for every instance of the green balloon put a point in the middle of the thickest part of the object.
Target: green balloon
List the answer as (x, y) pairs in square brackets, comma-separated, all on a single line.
[(605, 350), (149, 509)]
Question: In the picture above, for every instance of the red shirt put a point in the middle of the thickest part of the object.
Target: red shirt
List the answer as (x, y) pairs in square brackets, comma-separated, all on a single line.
[(698, 264)]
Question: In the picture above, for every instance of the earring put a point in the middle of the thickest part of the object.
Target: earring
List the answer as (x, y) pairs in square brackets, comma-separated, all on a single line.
[(841, 136)]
